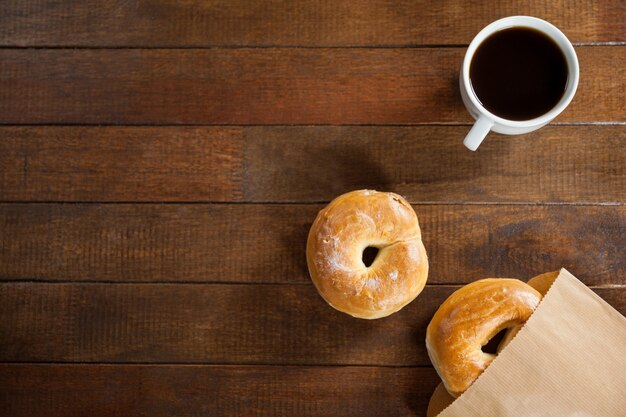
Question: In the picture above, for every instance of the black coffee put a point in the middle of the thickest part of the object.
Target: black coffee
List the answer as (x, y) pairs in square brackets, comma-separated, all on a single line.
[(518, 73)]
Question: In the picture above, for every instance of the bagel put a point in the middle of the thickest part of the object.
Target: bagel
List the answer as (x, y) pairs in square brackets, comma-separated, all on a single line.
[(468, 319), (542, 284), (340, 234)]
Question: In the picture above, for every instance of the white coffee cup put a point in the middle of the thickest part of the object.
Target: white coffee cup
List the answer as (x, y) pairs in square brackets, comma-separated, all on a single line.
[(487, 121)]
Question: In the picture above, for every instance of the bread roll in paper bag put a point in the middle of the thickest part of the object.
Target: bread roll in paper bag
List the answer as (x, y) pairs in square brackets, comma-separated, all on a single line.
[(569, 359)]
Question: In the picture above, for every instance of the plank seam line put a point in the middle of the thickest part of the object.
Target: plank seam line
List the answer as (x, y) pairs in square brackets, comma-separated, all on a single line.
[(248, 125), (224, 283), (272, 46), (310, 203), (212, 364)]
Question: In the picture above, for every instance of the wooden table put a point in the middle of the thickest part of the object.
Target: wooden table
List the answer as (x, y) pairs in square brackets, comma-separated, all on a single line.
[(162, 161)]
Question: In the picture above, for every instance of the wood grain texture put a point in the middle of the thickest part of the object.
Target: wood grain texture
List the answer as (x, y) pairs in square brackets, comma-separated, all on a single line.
[(266, 243), (309, 164), (210, 324), (207, 309), (268, 86), (127, 164), (103, 390), (303, 23)]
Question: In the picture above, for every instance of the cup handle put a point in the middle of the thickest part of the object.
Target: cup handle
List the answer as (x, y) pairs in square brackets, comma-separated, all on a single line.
[(477, 133)]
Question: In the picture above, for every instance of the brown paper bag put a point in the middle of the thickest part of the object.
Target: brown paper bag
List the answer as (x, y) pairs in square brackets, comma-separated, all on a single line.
[(568, 360)]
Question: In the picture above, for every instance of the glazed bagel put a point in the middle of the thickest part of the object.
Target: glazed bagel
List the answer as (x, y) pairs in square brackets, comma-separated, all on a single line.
[(339, 235), (468, 319), (542, 284)]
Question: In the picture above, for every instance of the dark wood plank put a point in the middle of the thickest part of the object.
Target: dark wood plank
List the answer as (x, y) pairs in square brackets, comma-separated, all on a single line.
[(309, 164), (429, 164), (305, 23), (267, 86), (127, 164), (266, 243), (101, 390), (219, 324), (215, 324)]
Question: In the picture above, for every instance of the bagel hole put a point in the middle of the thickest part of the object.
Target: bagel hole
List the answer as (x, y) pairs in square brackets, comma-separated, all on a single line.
[(369, 255), (492, 344)]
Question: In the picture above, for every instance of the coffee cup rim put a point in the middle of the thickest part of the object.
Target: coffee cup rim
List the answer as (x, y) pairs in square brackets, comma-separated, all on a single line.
[(547, 29)]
